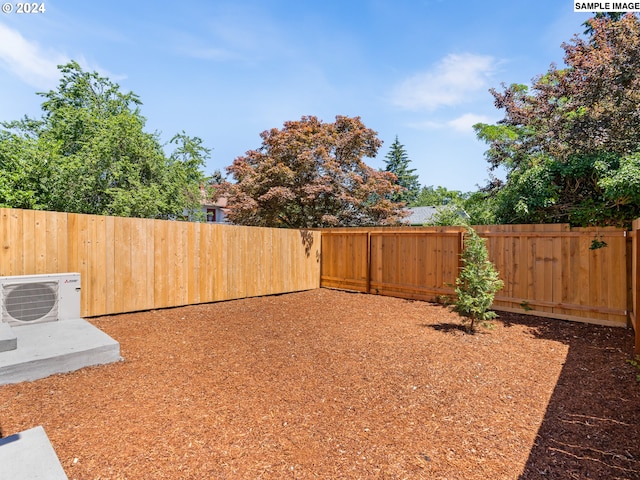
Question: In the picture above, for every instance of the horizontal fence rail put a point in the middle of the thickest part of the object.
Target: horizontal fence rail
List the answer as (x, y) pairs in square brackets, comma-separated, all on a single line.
[(132, 264), (548, 270)]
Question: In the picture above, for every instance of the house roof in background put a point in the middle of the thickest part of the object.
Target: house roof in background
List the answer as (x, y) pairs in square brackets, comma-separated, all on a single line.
[(422, 215)]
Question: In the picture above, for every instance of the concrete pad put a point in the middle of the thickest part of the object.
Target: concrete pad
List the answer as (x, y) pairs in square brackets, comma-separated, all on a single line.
[(29, 455), (56, 347), (8, 339)]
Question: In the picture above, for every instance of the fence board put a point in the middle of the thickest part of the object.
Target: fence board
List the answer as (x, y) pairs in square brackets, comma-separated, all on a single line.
[(193, 264), (97, 277), (110, 265), (28, 242), (635, 283), (131, 264)]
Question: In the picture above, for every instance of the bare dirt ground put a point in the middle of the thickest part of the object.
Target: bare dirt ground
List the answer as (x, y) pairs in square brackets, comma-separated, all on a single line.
[(327, 384)]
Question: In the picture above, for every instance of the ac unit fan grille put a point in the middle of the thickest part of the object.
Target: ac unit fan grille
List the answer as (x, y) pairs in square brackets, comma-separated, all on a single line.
[(30, 302)]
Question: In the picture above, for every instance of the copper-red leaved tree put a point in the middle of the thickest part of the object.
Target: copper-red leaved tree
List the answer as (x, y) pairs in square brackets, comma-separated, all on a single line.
[(312, 174), (570, 143)]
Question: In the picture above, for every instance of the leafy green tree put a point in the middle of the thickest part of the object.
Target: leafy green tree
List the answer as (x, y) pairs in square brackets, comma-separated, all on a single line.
[(89, 153), (448, 215), (397, 162), (477, 283), (568, 144), (435, 196), (24, 171), (481, 208), (312, 174)]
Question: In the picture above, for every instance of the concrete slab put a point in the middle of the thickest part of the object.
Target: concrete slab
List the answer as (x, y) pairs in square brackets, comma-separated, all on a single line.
[(29, 455), (56, 347), (8, 339)]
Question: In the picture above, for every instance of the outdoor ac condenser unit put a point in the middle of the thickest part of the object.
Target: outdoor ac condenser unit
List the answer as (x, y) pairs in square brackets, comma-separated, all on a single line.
[(29, 299)]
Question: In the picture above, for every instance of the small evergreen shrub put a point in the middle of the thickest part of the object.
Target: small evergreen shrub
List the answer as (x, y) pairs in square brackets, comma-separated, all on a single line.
[(477, 283)]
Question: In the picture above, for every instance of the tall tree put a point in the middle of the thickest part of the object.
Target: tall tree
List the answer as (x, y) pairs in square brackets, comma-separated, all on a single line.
[(615, 16), (89, 153), (312, 174), (429, 196), (570, 143), (479, 206), (397, 162)]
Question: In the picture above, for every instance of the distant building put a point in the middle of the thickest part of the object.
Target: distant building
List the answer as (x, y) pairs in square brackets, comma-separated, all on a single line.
[(420, 215), (214, 211)]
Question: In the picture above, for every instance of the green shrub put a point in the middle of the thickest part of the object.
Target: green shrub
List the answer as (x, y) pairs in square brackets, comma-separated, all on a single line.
[(477, 283)]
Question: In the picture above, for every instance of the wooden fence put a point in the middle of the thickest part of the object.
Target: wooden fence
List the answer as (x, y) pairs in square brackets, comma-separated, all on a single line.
[(138, 264), (129, 264), (411, 262), (548, 270), (635, 283)]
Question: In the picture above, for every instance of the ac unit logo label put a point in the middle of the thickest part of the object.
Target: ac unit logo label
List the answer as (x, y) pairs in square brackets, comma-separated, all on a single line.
[(606, 6)]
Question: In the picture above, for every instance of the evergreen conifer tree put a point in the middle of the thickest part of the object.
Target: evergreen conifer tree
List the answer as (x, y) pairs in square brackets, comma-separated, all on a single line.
[(397, 162)]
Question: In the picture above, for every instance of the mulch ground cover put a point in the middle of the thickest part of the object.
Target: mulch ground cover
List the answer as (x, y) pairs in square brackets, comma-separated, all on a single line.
[(329, 384)]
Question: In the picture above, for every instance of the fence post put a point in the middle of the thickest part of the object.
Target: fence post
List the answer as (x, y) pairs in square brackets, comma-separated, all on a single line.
[(460, 250), (635, 284), (369, 262)]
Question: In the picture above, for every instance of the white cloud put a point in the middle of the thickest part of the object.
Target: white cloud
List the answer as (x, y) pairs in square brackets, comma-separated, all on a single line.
[(465, 123), (451, 82), (28, 60), (462, 124)]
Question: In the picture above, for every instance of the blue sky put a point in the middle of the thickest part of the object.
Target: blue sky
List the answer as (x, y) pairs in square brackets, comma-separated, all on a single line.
[(227, 70)]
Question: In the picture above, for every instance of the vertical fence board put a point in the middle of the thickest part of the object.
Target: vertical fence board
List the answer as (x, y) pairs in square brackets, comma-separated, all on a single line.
[(635, 283), (206, 265), (376, 254), (618, 268), (6, 252), (138, 273), (28, 242), (172, 278), (51, 244), (72, 243), (40, 241), (219, 271), (84, 260), (160, 265), (124, 270), (235, 247), (250, 260), (565, 292), (181, 259), (15, 231), (440, 262), (193, 262), (110, 264), (96, 281)]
